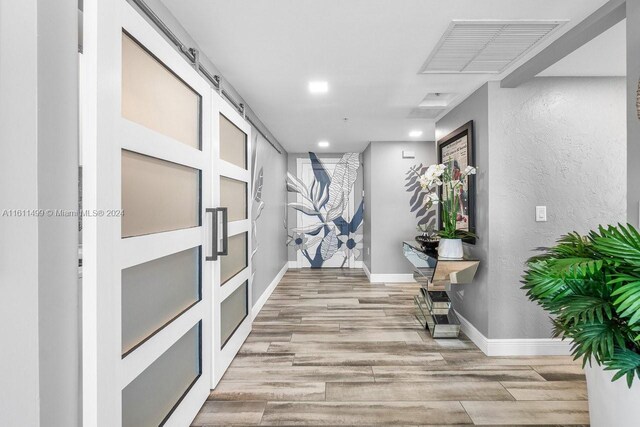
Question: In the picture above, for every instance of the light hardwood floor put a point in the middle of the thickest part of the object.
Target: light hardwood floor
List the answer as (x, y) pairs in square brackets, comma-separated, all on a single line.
[(328, 348)]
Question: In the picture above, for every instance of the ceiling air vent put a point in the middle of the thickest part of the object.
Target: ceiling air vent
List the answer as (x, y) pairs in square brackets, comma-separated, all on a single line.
[(485, 46), (424, 113)]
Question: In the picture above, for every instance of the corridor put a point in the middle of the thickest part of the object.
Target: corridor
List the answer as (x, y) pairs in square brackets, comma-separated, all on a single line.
[(329, 348)]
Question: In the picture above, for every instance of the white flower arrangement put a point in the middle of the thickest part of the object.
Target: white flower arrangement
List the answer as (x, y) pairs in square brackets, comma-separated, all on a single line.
[(442, 175)]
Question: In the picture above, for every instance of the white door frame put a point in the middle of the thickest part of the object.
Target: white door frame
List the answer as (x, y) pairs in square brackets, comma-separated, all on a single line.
[(105, 372), (222, 357), (300, 163)]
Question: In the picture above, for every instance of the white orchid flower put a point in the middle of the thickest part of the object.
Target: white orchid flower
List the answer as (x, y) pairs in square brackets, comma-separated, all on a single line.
[(433, 198), (469, 170), (424, 180)]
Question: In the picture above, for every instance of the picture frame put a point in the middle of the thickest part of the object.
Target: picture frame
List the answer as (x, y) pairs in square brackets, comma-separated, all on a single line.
[(458, 147)]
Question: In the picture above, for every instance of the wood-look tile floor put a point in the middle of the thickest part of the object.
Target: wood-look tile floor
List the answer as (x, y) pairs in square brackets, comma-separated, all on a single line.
[(328, 348)]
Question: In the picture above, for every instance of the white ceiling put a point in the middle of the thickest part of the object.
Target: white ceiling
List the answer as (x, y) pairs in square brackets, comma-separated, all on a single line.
[(606, 55), (370, 52)]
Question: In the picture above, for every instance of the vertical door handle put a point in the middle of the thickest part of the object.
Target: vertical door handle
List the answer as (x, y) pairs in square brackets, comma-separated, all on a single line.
[(214, 234), (225, 232)]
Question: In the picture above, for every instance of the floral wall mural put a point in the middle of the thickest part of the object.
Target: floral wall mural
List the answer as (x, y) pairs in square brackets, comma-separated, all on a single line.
[(257, 179), (329, 230)]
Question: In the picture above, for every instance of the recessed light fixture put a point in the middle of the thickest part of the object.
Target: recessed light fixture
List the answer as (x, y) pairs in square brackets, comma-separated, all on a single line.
[(318, 87), (323, 144), (415, 133)]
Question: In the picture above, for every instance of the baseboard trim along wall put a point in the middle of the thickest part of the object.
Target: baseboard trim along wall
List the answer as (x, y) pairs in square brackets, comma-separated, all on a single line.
[(515, 346), (387, 278), (267, 292), (356, 264)]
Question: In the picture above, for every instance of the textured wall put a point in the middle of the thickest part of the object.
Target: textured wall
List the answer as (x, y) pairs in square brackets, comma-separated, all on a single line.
[(559, 142), (271, 253), (392, 221), (633, 123), (472, 301)]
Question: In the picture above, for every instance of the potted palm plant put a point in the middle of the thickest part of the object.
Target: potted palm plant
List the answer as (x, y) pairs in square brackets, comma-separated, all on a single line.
[(441, 175), (591, 286)]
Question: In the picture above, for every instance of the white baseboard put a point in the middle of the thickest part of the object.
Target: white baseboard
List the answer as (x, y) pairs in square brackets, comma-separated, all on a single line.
[(474, 335), (366, 271), (267, 292), (515, 346), (357, 264), (387, 278)]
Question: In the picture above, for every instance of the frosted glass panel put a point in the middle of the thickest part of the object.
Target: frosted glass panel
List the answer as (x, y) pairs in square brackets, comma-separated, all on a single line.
[(233, 143), (236, 260), (155, 292), (158, 195), (151, 397), (233, 311), (154, 97), (233, 195)]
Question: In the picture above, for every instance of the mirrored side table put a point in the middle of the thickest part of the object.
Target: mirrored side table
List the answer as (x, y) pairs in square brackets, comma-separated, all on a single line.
[(435, 275)]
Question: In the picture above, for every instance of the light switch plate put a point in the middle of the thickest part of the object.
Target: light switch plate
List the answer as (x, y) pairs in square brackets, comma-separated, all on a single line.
[(408, 154), (541, 213)]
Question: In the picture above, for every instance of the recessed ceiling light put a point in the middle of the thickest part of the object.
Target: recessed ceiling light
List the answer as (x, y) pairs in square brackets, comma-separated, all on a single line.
[(323, 144), (318, 87), (415, 133)]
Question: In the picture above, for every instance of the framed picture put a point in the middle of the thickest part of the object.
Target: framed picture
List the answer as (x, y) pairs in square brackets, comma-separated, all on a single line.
[(456, 151)]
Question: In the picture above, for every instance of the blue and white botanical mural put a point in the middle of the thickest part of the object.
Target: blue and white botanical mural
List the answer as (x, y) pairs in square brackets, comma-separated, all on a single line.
[(330, 231)]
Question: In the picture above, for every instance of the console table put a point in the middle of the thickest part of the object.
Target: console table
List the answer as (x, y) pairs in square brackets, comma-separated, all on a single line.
[(435, 275)]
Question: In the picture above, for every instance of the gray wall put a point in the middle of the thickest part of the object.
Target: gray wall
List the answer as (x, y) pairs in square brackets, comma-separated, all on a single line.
[(387, 208), (472, 301), (633, 123), (39, 311), (553, 142), (292, 216), (558, 142), (271, 253)]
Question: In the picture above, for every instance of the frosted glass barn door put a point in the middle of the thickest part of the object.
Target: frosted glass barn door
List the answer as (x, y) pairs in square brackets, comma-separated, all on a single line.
[(232, 275), (146, 186)]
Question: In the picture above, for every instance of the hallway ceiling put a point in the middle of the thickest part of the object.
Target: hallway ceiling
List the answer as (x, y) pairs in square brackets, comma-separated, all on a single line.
[(369, 51)]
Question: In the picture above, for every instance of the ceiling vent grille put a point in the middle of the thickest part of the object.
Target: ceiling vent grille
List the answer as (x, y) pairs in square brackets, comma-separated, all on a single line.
[(485, 46), (424, 113)]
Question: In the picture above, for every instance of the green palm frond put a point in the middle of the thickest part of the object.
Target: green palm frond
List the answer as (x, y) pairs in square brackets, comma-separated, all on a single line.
[(586, 309), (626, 362), (628, 297), (620, 243), (591, 285)]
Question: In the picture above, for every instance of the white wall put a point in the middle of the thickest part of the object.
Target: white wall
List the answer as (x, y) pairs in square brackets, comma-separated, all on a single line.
[(19, 366), (39, 308)]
